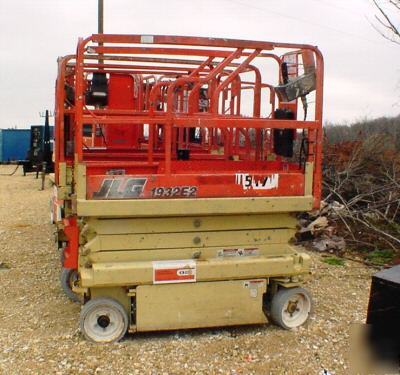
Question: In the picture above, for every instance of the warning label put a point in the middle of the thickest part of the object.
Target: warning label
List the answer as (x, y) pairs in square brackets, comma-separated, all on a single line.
[(254, 286), (257, 283), (174, 271), (238, 252)]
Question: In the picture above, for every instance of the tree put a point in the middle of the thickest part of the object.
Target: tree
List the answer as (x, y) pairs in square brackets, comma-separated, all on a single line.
[(386, 25)]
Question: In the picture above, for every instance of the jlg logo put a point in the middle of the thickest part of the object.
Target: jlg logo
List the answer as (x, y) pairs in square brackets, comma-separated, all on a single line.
[(184, 272), (120, 188)]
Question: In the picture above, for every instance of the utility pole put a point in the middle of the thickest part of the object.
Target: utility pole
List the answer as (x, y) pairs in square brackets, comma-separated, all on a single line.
[(46, 147), (100, 23), (46, 140), (100, 17)]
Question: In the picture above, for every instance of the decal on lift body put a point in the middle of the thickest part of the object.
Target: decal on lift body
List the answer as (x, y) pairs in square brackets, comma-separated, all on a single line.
[(174, 271), (251, 182), (55, 207), (238, 252), (118, 188), (174, 191)]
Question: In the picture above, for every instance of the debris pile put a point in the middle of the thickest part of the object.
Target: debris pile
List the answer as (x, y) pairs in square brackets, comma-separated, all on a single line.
[(361, 207), (318, 229)]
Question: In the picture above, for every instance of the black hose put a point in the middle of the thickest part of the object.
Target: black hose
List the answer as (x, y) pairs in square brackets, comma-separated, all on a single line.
[(303, 152), (10, 174)]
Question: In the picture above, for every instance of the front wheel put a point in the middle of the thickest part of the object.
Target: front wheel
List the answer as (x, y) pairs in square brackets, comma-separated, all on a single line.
[(103, 320), (68, 278), (291, 307)]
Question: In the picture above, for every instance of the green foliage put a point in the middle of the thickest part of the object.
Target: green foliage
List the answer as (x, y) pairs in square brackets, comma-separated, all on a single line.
[(381, 257), (334, 261)]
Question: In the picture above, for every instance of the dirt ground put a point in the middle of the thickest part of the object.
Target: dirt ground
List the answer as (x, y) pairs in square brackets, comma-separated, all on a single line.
[(39, 326)]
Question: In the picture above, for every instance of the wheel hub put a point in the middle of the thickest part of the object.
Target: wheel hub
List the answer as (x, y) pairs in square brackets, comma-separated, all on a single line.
[(73, 279), (292, 307), (103, 321)]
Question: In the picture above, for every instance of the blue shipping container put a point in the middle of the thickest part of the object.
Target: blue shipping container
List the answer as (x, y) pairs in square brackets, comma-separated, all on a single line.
[(14, 144)]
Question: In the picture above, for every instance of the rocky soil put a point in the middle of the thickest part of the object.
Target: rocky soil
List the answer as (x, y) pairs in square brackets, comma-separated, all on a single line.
[(39, 325)]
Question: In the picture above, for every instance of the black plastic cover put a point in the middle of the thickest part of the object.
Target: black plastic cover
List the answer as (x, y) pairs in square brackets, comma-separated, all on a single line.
[(384, 315), (283, 138), (97, 93)]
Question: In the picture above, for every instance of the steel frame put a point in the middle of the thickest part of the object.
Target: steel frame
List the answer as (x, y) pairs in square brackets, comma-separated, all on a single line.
[(223, 63)]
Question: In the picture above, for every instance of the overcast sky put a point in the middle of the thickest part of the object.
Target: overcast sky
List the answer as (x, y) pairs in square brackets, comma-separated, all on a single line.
[(362, 76)]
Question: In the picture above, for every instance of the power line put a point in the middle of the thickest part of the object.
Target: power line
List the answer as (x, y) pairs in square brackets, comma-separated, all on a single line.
[(304, 21), (327, 3)]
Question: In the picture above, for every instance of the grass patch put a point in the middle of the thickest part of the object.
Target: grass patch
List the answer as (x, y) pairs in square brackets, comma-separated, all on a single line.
[(380, 257), (334, 261)]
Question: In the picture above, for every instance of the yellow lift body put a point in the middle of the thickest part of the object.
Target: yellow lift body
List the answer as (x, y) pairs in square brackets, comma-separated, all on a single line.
[(179, 173)]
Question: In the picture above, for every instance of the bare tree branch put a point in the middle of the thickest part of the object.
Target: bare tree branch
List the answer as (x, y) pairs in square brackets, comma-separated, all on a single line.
[(395, 3), (387, 23)]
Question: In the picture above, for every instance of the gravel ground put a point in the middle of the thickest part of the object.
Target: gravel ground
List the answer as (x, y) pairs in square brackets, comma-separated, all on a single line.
[(39, 325)]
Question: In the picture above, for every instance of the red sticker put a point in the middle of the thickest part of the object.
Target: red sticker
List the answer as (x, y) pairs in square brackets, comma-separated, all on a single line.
[(174, 271)]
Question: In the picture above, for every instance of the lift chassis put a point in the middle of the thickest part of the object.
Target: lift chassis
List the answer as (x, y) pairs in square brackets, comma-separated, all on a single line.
[(180, 164)]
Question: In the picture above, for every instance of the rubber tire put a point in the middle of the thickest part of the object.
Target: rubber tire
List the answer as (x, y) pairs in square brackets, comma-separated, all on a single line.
[(279, 300), (88, 307), (65, 277)]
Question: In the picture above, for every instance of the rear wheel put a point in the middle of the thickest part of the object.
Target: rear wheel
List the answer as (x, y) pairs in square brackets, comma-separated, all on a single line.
[(103, 320), (291, 307), (68, 278)]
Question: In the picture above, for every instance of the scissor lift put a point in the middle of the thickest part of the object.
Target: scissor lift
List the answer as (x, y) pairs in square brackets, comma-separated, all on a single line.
[(180, 165)]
